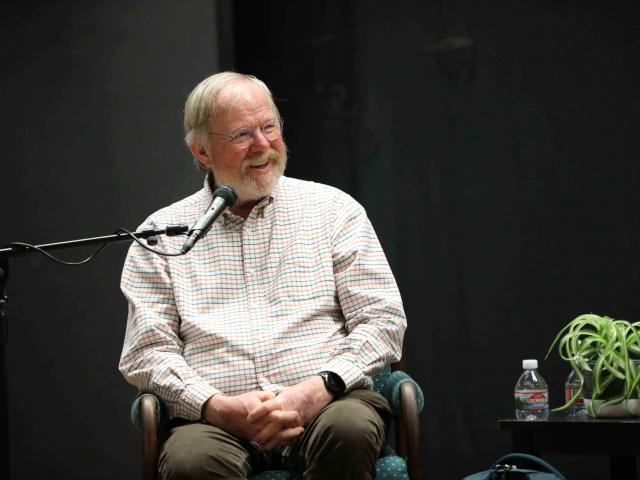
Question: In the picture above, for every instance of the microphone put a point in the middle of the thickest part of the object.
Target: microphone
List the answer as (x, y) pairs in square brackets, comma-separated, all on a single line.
[(223, 197)]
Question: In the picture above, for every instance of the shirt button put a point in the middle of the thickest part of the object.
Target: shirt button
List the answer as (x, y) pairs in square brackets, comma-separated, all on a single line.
[(250, 271)]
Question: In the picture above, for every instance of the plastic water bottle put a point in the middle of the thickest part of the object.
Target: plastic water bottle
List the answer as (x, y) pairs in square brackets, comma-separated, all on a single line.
[(571, 386), (531, 393)]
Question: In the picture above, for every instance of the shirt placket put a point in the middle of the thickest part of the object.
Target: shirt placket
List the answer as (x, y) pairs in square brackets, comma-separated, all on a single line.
[(254, 257)]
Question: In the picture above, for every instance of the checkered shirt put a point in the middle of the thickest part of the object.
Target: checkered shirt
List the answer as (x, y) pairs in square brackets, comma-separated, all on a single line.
[(301, 286)]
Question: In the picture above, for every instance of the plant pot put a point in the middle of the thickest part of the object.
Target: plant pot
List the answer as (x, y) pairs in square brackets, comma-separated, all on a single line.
[(625, 408)]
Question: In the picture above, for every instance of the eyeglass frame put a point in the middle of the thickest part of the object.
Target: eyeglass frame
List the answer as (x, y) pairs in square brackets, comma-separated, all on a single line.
[(235, 138)]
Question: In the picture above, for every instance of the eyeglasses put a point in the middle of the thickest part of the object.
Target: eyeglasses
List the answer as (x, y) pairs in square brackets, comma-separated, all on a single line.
[(244, 137)]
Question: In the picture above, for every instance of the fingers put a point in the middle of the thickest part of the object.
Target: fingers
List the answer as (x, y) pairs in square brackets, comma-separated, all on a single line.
[(282, 422), (284, 437), (253, 400), (264, 395), (269, 431), (284, 418), (263, 409)]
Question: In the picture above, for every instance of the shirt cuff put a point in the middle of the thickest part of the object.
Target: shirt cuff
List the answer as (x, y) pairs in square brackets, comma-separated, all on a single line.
[(348, 372), (192, 400)]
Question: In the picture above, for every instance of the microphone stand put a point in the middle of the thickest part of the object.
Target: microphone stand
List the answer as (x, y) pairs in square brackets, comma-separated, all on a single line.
[(19, 251)]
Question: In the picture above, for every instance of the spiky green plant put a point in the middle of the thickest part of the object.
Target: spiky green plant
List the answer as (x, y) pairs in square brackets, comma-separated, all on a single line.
[(607, 348)]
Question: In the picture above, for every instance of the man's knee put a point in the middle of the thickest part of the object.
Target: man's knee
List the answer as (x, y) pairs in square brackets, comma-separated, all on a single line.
[(348, 428), (202, 452), (355, 425)]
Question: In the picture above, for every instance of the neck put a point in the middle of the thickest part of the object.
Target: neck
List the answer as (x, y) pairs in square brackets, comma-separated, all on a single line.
[(244, 209)]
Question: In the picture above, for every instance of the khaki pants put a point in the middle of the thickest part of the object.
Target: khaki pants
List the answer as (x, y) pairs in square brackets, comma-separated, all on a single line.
[(342, 442)]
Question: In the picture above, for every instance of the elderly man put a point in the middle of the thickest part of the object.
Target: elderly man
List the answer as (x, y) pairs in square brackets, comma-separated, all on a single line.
[(262, 340)]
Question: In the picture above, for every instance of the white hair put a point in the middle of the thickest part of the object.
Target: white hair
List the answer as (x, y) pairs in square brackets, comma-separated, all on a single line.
[(202, 105)]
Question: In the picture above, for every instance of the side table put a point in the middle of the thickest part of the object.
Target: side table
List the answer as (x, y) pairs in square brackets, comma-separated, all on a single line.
[(619, 438)]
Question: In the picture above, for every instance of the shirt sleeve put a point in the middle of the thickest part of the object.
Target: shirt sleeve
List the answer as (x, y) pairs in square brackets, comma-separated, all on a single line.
[(374, 316), (152, 357)]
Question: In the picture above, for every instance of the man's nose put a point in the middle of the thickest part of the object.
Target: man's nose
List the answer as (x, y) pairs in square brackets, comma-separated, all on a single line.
[(260, 142)]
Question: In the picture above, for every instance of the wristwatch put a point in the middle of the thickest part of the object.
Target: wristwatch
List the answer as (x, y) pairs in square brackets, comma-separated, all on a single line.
[(333, 383)]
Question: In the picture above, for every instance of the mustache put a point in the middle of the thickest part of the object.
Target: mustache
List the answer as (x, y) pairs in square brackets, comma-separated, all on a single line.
[(270, 155)]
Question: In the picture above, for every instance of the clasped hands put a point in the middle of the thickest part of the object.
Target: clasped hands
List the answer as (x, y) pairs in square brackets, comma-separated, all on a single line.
[(267, 419)]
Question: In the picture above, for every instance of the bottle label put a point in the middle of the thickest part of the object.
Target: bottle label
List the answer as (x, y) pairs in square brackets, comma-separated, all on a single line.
[(569, 392), (532, 399)]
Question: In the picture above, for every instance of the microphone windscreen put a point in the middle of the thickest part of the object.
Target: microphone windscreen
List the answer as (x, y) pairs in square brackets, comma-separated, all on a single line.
[(228, 194)]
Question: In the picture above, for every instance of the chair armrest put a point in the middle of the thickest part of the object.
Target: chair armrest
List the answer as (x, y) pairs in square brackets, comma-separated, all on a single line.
[(136, 410), (145, 413), (408, 429), (407, 401), (392, 391)]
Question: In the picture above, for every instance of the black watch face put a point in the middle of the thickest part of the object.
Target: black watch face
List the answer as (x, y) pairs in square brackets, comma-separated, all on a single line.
[(333, 383)]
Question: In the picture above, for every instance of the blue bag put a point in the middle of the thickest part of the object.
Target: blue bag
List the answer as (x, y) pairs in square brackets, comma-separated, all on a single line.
[(507, 468)]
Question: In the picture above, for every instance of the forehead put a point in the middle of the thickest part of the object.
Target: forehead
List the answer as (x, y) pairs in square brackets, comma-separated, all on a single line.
[(242, 102)]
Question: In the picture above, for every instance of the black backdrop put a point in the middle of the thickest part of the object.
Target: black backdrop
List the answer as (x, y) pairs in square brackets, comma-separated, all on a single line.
[(92, 94), (492, 143)]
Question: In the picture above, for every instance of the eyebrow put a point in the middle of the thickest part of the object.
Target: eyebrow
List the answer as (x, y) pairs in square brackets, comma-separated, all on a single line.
[(246, 127)]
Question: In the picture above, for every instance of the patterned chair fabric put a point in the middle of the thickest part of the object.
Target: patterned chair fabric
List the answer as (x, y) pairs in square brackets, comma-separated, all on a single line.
[(390, 466)]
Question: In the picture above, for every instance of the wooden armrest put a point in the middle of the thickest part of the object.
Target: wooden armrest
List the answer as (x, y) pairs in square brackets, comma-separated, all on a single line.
[(408, 430), (149, 425)]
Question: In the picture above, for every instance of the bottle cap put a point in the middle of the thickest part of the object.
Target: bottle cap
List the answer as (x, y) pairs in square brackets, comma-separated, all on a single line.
[(530, 364)]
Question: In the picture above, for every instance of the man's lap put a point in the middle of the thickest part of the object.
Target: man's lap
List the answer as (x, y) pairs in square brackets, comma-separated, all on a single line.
[(356, 419)]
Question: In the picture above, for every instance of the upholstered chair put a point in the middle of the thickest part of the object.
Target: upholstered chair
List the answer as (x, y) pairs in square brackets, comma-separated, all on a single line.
[(400, 461)]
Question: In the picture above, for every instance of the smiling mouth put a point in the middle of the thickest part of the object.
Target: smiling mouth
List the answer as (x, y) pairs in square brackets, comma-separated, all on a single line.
[(259, 166)]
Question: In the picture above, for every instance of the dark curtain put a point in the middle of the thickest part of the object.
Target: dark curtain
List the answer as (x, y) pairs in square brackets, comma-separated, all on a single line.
[(493, 146), (92, 96)]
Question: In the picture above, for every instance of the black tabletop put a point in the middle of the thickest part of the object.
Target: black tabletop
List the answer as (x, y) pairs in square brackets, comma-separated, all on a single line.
[(563, 434)]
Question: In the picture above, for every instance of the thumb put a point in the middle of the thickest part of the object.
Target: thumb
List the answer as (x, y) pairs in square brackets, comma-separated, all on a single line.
[(266, 395)]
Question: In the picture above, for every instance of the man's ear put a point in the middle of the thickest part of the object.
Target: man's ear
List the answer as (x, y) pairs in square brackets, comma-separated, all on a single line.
[(199, 151)]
